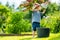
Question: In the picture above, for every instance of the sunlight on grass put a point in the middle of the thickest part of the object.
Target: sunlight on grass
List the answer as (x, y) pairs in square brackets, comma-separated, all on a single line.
[(51, 37)]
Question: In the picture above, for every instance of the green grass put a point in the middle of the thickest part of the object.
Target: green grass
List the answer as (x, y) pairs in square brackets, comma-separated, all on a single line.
[(51, 37)]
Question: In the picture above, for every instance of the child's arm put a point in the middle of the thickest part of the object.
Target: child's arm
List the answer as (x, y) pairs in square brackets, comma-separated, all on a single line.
[(36, 8), (44, 11)]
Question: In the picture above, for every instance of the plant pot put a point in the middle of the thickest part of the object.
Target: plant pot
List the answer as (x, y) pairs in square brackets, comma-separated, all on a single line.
[(43, 32)]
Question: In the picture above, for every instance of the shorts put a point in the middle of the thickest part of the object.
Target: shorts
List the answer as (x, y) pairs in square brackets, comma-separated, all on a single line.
[(35, 25)]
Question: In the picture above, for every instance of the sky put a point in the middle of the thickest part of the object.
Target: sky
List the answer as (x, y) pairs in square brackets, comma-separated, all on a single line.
[(18, 2), (15, 2)]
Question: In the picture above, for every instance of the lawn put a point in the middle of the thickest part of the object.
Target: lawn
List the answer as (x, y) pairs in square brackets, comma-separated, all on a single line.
[(51, 37)]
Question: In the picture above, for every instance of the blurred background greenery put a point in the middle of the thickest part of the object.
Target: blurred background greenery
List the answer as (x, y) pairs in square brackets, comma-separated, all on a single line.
[(15, 22)]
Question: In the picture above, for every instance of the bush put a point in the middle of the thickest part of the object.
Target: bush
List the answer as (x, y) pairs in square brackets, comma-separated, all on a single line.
[(52, 22), (16, 23)]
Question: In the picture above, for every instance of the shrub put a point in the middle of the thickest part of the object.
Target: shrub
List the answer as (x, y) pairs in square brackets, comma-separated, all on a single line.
[(52, 22), (16, 23)]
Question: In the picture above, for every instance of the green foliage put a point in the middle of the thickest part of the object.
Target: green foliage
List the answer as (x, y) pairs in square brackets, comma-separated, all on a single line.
[(16, 23), (3, 14), (51, 8), (51, 21)]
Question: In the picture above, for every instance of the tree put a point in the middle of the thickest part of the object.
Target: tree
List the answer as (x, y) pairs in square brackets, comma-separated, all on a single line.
[(4, 11), (7, 4)]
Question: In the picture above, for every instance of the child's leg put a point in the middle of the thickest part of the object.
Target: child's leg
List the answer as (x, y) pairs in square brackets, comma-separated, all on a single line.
[(33, 34), (34, 29), (35, 25)]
